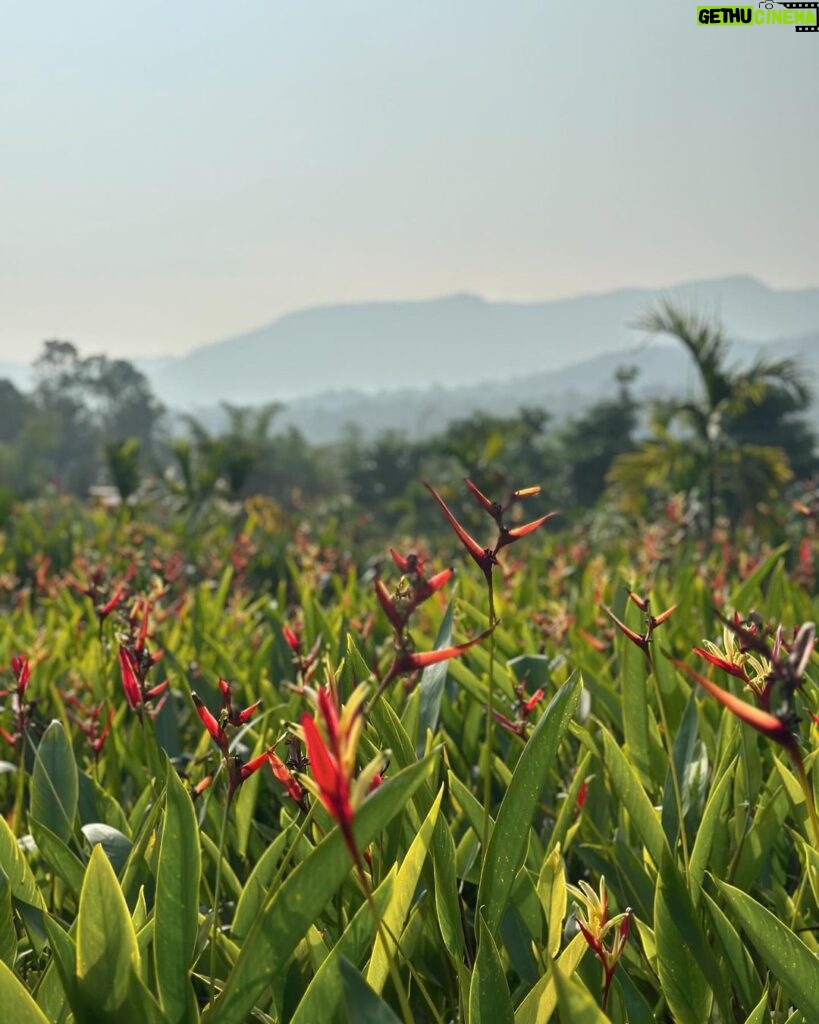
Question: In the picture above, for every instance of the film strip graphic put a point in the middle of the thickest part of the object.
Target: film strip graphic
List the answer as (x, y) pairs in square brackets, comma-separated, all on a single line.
[(802, 7)]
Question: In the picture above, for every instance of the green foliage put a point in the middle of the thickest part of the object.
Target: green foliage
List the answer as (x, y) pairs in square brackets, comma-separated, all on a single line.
[(139, 883)]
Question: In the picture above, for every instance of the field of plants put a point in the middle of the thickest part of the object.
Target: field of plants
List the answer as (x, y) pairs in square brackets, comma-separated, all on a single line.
[(515, 771)]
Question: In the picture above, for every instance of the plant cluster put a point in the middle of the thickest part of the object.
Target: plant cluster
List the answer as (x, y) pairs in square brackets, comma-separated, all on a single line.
[(407, 791)]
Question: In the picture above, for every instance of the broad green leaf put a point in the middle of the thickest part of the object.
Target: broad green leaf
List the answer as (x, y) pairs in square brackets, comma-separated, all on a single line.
[(54, 783), (576, 1004), (304, 895), (116, 845), (324, 993), (736, 954), (631, 794), (634, 674), (255, 888), (447, 905), (710, 822), (431, 686), (760, 1013), (107, 951), (784, 953), (176, 915), (489, 1001), (57, 855), (743, 597), (552, 893), (540, 1002), (364, 1006), (17, 1005), (507, 844), (14, 864), (8, 932), (685, 961), (406, 883)]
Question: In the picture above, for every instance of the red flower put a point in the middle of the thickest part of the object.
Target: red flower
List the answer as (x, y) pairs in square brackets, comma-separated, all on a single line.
[(332, 739), (128, 669), (22, 670), (769, 725)]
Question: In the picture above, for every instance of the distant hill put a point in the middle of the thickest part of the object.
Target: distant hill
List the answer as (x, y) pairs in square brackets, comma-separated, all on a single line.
[(457, 341), (664, 370)]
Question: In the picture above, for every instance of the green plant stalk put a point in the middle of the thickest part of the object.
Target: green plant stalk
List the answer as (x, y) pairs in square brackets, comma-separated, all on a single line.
[(672, 767), (490, 723), (19, 789), (216, 887)]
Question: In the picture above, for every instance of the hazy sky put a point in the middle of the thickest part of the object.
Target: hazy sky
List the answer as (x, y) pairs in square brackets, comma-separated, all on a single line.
[(173, 173)]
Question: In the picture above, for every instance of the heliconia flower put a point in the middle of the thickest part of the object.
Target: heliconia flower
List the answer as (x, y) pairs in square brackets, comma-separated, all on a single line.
[(217, 733), (769, 725), (515, 533), (332, 739), (285, 777), (22, 671), (397, 620), (233, 716), (596, 926), (410, 661), (484, 557), (104, 610), (290, 637), (731, 667), (530, 705), (651, 623), (200, 787), (130, 683), (636, 638), (492, 507)]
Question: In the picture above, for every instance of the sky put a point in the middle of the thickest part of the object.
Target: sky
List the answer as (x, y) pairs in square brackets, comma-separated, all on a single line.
[(176, 173)]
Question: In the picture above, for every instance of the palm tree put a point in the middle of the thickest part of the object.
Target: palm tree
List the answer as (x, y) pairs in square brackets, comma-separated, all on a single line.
[(698, 441)]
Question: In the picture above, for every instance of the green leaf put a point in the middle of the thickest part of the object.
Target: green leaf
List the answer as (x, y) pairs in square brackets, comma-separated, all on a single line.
[(447, 906), (116, 845), (176, 915), (8, 932), (433, 680), (759, 1014), (255, 888), (57, 855), (507, 844), (107, 951), (553, 896), (489, 1000), (576, 1004), (13, 862), (743, 596), (736, 954), (541, 1000), (324, 993), (305, 893), (631, 794), (54, 783), (363, 1005), (17, 1004), (684, 959), (784, 954), (406, 883), (634, 674), (710, 822)]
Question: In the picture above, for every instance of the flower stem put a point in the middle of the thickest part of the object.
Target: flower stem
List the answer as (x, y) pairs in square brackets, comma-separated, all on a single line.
[(490, 722), (216, 886)]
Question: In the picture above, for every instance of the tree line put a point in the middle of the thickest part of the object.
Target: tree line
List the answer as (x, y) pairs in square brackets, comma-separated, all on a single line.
[(731, 447)]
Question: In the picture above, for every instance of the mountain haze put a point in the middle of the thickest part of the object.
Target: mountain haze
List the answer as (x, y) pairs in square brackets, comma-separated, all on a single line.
[(461, 340)]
